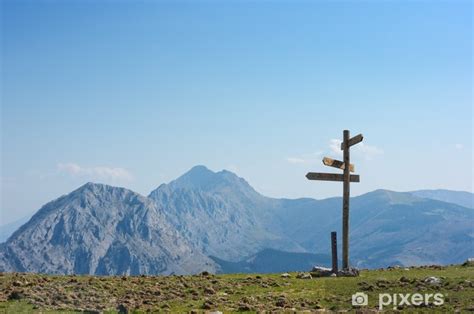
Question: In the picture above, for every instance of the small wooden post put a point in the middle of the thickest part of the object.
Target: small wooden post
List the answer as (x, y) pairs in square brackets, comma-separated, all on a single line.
[(334, 251), (345, 202)]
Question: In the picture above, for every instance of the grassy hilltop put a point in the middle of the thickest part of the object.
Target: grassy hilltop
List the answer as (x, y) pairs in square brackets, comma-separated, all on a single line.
[(241, 292)]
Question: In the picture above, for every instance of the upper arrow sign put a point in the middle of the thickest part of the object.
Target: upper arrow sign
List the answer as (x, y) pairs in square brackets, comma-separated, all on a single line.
[(356, 139), (337, 164), (330, 177)]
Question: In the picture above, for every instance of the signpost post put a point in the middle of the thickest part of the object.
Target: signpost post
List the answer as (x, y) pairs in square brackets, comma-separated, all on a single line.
[(346, 179), (334, 251)]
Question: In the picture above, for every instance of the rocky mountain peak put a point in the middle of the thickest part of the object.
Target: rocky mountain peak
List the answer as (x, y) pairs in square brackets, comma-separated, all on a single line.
[(200, 178)]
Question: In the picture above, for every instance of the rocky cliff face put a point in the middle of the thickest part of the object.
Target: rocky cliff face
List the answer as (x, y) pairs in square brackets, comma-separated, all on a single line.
[(99, 229)]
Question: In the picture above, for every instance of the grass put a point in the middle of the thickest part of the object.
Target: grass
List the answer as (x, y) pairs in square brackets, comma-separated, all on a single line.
[(33, 293)]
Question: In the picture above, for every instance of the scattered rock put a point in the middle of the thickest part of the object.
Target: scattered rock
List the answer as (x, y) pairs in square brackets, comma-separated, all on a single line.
[(404, 279), (209, 290), (281, 302), (382, 283), (458, 288), (304, 276), (432, 280), (319, 271), (350, 272), (244, 307), (16, 295), (285, 275), (207, 305)]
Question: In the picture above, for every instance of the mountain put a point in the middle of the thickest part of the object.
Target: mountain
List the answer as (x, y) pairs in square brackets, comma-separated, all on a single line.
[(460, 198), (216, 221), (220, 214), (274, 261), (99, 229), (386, 228)]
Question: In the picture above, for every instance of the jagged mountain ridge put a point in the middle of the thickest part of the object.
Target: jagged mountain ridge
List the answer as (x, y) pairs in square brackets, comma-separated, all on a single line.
[(206, 213), (99, 229)]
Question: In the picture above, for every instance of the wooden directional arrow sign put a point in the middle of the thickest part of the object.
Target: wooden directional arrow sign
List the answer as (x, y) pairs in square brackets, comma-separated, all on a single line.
[(356, 139), (336, 164), (330, 177)]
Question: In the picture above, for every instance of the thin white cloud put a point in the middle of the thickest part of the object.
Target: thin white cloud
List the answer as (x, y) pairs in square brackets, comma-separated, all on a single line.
[(305, 158), (335, 146), (459, 146), (98, 172)]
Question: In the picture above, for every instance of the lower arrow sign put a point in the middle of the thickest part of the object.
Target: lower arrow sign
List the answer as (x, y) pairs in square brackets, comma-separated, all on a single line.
[(330, 177)]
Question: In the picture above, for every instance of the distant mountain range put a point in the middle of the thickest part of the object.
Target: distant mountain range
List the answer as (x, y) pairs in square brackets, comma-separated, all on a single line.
[(460, 198), (216, 221)]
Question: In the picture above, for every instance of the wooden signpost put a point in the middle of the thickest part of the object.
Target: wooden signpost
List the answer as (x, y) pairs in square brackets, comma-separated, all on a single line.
[(346, 178)]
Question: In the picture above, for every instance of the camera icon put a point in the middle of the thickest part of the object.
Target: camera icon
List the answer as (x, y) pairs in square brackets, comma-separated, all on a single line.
[(360, 299)]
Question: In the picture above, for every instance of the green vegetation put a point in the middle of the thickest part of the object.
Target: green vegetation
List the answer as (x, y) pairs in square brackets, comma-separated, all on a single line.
[(26, 293)]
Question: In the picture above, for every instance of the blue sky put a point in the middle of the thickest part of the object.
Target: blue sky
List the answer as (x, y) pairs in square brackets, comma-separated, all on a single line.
[(135, 93)]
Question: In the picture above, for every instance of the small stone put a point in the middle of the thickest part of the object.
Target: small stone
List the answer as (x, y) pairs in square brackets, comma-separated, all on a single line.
[(320, 271), (350, 272), (281, 302), (304, 276), (16, 295), (432, 280), (285, 275), (207, 305), (404, 279), (244, 307)]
